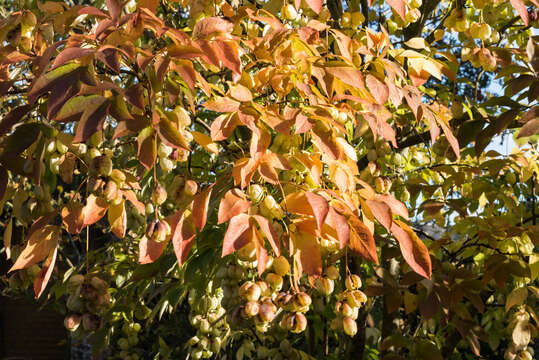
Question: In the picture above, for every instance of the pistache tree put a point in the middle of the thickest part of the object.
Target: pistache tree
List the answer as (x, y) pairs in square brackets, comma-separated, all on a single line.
[(274, 180)]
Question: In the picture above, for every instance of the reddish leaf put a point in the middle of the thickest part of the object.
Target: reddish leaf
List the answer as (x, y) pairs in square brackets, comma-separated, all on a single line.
[(147, 147), (115, 8), (132, 197), (183, 234), (69, 54), (148, 4), (39, 245), (234, 237), (378, 89), (91, 121), (399, 6), (200, 207), (41, 280), (361, 240), (212, 26), (233, 203), (413, 250), (381, 212), (271, 235), (316, 5), (261, 252), (307, 252), (73, 218), (529, 129), (229, 55), (397, 207), (340, 224), (450, 137), (347, 75), (135, 95), (522, 10), (94, 210), (320, 207), (150, 250), (12, 118), (91, 10)]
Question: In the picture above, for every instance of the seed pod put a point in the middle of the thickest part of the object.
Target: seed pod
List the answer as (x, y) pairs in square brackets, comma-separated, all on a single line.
[(251, 309), (346, 310), (164, 150), (281, 266), (72, 322), (74, 283), (118, 176), (356, 298), (324, 285), (91, 322), (301, 301), (332, 272), (256, 193), (349, 326), (264, 288), (353, 282), (248, 252), (295, 323), (274, 281), (190, 188), (161, 231), (74, 303), (283, 300), (99, 284), (101, 166), (94, 184), (267, 311), (159, 194)]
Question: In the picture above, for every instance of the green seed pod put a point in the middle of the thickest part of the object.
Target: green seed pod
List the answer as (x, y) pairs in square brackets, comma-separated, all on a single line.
[(349, 326)]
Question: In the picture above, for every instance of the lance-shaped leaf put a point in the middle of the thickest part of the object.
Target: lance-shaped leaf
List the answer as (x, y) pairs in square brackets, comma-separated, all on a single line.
[(212, 26), (73, 217), (12, 118), (94, 209), (118, 219), (146, 151), (399, 6), (170, 135), (183, 234), (46, 81), (307, 252), (235, 236), (378, 89), (413, 250), (132, 197), (149, 250), (320, 207), (340, 224), (21, 139), (91, 121), (69, 54), (233, 203), (39, 245), (261, 252), (41, 280), (522, 10), (362, 240), (205, 141), (200, 207), (269, 232), (382, 212)]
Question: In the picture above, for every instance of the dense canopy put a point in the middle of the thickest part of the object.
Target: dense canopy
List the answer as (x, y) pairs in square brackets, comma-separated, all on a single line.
[(273, 179)]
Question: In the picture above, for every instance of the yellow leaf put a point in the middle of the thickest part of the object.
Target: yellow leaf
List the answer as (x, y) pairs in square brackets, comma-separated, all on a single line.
[(205, 141)]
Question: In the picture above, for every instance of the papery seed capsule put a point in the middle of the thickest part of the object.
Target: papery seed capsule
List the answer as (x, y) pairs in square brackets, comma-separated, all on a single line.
[(256, 193), (299, 324), (164, 150), (274, 281), (161, 231), (118, 176), (346, 310), (101, 166), (190, 188), (324, 285), (264, 288), (159, 194), (281, 266), (99, 284), (356, 298), (283, 300), (74, 283), (248, 252), (251, 308), (72, 322), (349, 326), (267, 311), (250, 291), (111, 190), (353, 282), (332, 272)]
